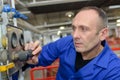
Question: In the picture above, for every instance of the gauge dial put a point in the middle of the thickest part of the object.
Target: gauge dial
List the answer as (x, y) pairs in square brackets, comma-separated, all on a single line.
[(14, 40)]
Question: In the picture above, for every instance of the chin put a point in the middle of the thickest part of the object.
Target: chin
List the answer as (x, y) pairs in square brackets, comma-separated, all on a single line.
[(79, 50)]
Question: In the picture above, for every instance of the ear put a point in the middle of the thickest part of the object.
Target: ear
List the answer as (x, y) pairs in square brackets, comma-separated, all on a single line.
[(103, 34)]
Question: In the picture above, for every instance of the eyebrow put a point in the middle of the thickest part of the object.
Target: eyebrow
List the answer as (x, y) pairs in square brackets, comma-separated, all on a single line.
[(80, 26)]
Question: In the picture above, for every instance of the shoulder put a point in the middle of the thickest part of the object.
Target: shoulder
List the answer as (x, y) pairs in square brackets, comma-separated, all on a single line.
[(114, 61), (61, 43), (65, 39), (113, 70)]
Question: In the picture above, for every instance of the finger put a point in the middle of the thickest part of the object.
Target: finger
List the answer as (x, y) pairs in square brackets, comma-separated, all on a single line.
[(36, 44), (37, 50), (35, 59), (29, 62), (28, 45)]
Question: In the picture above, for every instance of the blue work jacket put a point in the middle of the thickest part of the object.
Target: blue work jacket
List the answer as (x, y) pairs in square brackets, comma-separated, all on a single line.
[(106, 66)]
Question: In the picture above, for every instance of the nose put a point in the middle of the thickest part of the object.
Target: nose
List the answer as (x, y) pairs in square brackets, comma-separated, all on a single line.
[(76, 34)]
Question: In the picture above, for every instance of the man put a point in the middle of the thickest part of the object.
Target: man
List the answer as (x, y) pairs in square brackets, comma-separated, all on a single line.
[(85, 55)]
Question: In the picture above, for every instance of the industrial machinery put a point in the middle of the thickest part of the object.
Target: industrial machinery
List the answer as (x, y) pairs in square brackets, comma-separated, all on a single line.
[(12, 43), (12, 54)]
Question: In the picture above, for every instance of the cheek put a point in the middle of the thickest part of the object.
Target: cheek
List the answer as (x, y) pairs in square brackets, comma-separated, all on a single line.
[(88, 37), (91, 39)]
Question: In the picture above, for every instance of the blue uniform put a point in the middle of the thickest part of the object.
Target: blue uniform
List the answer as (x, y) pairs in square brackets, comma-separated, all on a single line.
[(106, 66), (15, 76)]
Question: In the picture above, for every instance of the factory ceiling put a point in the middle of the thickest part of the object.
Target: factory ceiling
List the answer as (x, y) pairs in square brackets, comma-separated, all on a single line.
[(73, 5), (50, 14)]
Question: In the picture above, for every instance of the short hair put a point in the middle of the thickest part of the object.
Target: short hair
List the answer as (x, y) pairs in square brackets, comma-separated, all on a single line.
[(101, 14)]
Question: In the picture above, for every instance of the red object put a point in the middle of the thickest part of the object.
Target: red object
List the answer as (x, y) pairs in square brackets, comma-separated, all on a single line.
[(44, 70), (47, 71), (116, 49)]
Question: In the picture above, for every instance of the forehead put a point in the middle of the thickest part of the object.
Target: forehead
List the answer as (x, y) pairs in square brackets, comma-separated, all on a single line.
[(87, 14), (86, 17)]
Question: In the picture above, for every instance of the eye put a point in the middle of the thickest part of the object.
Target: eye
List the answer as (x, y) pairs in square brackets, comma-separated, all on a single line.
[(73, 28), (83, 28)]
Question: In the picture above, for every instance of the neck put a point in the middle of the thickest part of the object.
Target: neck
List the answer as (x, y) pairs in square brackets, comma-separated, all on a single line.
[(93, 52)]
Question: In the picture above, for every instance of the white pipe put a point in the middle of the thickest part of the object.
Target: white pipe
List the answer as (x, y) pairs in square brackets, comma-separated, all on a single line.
[(13, 6), (53, 25), (114, 6), (25, 12), (1, 5), (111, 18)]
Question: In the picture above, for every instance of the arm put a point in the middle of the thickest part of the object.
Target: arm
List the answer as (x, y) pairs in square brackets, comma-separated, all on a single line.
[(47, 54), (54, 50)]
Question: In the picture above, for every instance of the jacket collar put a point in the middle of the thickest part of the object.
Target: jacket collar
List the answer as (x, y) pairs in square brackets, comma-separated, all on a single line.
[(102, 59), (100, 62)]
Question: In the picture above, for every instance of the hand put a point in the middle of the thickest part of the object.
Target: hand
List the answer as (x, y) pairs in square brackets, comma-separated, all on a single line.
[(35, 47)]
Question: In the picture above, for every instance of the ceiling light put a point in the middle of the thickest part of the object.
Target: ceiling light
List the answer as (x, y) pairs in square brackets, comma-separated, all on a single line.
[(69, 14), (114, 6), (62, 27), (118, 20), (118, 24)]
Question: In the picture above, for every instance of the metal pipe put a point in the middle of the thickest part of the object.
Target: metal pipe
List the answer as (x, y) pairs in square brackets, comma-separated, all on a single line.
[(27, 25), (53, 25), (21, 3), (52, 2)]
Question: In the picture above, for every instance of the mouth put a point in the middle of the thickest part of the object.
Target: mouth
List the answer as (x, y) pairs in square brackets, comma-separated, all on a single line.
[(78, 44)]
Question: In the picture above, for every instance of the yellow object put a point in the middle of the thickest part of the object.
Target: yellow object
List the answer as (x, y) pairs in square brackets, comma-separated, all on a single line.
[(6, 67), (4, 41)]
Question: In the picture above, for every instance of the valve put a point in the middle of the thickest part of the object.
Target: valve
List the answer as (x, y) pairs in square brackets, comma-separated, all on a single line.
[(22, 55)]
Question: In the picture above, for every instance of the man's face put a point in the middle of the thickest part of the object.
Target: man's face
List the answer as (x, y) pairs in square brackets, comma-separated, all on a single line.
[(85, 32)]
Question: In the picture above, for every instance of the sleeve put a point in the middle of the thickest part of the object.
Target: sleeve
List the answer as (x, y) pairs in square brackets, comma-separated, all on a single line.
[(114, 74), (52, 51)]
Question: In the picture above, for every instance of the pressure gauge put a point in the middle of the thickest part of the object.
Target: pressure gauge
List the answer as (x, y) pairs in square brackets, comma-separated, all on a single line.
[(14, 40), (21, 40)]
